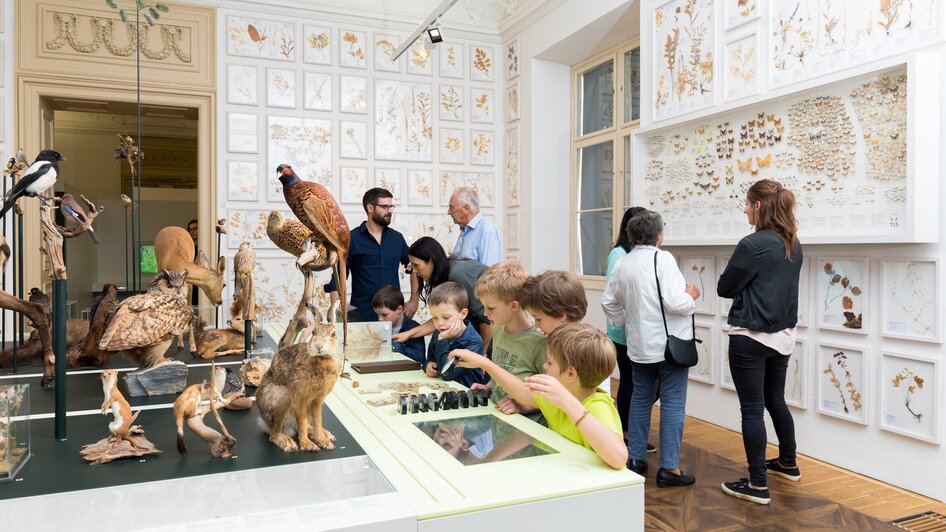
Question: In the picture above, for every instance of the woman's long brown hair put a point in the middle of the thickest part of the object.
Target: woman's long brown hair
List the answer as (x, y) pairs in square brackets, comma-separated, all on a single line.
[(776, 211)]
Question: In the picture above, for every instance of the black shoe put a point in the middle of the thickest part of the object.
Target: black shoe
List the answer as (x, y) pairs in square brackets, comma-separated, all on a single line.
[(741, 490), (637, 466), (791, 473), (666, 479), (651, 448)]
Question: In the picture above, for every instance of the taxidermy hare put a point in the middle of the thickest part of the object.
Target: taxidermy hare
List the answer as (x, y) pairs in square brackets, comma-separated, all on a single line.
[(291, 393)]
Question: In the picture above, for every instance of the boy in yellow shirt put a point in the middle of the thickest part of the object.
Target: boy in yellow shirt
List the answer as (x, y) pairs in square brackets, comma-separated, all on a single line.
[(579, 357)]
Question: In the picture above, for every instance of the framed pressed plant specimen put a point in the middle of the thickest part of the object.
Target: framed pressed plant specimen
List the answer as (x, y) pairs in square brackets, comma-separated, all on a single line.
[(842, 382), (843, 301), (723, 303), (741, 68), (704, 370), (701, 271), (796, 376), (911, 300), (910, 396), (725, 374), (738, 12)]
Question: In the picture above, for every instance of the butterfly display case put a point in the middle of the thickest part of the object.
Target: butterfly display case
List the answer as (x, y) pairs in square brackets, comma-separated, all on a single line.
[(856, 153), (14, 429)]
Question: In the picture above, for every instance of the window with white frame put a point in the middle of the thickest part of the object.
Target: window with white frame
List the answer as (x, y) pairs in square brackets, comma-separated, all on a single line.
[(606, 108)]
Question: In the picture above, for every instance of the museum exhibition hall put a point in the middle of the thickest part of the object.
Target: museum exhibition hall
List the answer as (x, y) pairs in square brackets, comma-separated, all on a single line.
[(430, 265)]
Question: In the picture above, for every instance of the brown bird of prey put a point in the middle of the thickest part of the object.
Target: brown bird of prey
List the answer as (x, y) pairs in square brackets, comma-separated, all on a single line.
[(145, 325), (39, 297), (317, 209), (243, 264), (71, 210)]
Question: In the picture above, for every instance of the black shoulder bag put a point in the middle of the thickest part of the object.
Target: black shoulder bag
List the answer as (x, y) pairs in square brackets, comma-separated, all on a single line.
[(677, 352)]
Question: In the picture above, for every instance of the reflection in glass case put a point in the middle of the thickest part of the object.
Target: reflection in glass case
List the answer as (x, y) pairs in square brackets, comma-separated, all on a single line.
[(482, 439), (367, 341), (14, 429)]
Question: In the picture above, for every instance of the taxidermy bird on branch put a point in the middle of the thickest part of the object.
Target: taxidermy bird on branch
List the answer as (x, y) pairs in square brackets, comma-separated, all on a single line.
[(38, 177), (315, 207), (71, 209)]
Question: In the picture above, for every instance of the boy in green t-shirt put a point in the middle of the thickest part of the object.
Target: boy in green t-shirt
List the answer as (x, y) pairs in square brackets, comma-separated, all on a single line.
[(518, 347), (579, 357)]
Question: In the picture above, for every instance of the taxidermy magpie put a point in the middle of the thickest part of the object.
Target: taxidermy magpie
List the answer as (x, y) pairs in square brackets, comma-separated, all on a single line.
[(73, 211), (38, 177)]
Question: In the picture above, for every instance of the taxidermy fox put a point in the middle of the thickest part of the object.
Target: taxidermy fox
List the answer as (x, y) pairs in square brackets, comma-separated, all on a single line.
[(120, 407), (291, 393), (186, 406)]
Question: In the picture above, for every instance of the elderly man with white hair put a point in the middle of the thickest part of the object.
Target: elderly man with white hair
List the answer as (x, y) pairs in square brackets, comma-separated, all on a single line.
[(479, 237)]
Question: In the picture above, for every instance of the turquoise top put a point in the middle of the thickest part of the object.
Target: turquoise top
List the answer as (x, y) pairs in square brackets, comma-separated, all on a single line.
[(615, 332)]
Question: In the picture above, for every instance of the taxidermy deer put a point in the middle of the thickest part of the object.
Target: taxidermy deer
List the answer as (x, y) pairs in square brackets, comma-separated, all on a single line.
[(174, 251), (212, 343), (189, 408), (291, 393), (120, 408)]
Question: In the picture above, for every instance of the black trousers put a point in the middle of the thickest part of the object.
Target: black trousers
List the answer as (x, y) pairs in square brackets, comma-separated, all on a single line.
[(759, 375)]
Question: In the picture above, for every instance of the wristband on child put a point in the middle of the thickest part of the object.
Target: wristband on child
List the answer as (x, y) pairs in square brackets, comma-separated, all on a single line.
[(582, 417)]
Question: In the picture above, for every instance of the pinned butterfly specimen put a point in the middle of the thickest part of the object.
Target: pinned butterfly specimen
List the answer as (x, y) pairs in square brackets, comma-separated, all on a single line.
[(767, 161), (744, 166)]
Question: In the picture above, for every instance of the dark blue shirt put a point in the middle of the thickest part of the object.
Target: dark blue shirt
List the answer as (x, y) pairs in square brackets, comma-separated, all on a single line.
[(438, 352), (413, 348), (372, 266)]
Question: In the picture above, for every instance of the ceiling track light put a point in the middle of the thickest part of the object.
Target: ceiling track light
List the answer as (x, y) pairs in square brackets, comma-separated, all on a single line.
[(428, 25), (434, 35)]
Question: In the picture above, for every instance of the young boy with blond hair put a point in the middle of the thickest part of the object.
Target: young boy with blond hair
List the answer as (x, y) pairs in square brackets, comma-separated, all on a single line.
[(518, 347), (448, 304), (579, 357), (554, 298)]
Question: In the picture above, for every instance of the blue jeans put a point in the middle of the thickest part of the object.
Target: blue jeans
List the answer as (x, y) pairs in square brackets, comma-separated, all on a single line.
[(759, 375), (672, 381)]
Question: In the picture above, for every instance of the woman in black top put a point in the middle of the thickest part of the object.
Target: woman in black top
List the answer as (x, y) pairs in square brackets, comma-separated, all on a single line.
[(762, 280)]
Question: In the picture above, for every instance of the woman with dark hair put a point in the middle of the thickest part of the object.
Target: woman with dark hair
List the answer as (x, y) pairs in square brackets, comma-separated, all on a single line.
[(433, 268), (616, 330), (762, 280)]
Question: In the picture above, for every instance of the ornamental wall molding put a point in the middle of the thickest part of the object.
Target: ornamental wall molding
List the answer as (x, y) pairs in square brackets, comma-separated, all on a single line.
[(103, 31)]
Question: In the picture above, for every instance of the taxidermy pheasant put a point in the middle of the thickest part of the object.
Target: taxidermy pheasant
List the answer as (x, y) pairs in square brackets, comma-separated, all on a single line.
[(319, 212), (145, 325), (37, 178)]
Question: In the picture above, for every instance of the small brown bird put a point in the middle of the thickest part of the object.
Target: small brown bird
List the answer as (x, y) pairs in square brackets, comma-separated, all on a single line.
[(39, 297), (221, 226), (71, 210), (243, 264), (288, 235), (315, 207)]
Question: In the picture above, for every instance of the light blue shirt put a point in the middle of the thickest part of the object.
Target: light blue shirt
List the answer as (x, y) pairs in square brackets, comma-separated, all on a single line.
[(479, 241)]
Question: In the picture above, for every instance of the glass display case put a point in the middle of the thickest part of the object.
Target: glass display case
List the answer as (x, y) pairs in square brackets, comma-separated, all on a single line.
[(14, 429)]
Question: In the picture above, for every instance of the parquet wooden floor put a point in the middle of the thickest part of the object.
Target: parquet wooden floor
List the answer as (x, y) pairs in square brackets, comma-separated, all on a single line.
[(827, 498)]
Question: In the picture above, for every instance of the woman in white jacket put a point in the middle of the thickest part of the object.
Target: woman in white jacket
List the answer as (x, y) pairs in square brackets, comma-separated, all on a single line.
[(631, 298)]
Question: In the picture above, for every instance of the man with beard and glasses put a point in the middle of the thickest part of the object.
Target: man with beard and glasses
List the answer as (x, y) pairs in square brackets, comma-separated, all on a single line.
[(374, 258)]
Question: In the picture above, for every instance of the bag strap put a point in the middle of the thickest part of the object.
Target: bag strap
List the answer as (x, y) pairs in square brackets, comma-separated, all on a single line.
[(661, 299)]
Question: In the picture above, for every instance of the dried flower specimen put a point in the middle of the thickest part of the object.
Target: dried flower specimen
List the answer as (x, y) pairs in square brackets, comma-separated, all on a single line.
[(482, 148), (909, 384), (742, 63), (403, 122), (384, 48), (419, 60), (482, 64), (849, 387), (482, 108), (353, 52), (910, 298), (683, 34), (317, 91), (266, 39), (839, 286), (451, 60), (512, 60), (451, 102)]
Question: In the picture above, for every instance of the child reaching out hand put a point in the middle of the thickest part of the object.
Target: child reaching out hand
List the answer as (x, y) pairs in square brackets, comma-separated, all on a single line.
[(448, 309), (579, 357)]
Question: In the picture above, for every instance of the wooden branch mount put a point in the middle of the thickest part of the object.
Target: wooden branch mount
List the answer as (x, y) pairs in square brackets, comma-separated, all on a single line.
[(54, 234)]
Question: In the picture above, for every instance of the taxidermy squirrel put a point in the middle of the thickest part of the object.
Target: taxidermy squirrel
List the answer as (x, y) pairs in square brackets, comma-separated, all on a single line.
[(291, 393), (120, 407), (187, 406)]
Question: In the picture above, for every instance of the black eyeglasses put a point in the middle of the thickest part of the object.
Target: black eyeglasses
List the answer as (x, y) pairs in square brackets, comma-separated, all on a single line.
[(385, 207)]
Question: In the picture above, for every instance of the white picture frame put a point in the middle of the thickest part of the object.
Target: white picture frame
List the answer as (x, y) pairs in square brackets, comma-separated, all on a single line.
[(705, 369), (353, 140), (352, 49), (482, 62), (353, 183), (482, 147), (723, 304), (303, 143), (482, 105), (353, 94), (317, 91), (451, 60), (420, 59), (848, 283), (911, 298), (735, 15), (384, 46), (512, 230), (403, 121), (843, 377), (242, 180), (742, 71), (796, 376), (512, 102), (700, 270), (452, 101), (511, 61), (512, 166), (281, 88), (910, 396), (725, 373), (667, 101), (804, 294), (390, 180), (420, 187), (242, 133), (242, 84), (452, 145), (317, 45), (261, 38)]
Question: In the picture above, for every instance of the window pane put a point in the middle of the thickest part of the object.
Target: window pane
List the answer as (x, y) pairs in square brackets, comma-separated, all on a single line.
[(597, 98), (627, 170), (596, 178), (632, 85), (595, 238)]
